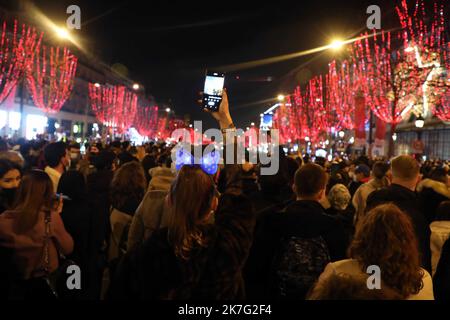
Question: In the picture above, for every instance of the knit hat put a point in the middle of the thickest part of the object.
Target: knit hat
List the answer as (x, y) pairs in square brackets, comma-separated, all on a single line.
[(339, 197)]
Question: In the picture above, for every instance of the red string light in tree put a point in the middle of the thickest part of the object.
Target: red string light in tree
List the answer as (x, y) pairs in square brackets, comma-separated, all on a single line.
[(50, 78), (313, 116), (442, 110), (163, 130), (340, 94), (282, 121), (114, 106), (424, 35), (390, 79), (16, 54), (146, 120)]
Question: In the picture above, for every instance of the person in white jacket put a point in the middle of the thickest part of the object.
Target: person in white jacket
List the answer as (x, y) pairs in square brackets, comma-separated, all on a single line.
[(377, 246), (440, 232)]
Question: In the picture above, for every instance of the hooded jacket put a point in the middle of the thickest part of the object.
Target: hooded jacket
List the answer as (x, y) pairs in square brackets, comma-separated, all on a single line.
[(162, 178)]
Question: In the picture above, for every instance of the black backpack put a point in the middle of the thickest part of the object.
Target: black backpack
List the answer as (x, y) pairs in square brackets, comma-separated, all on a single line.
[(297, 265)]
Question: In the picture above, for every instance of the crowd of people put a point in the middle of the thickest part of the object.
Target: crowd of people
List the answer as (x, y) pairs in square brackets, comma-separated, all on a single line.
[(138, 229)]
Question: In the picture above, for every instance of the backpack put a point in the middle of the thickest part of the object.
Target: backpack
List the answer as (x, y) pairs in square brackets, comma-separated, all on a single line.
[(297, 265)]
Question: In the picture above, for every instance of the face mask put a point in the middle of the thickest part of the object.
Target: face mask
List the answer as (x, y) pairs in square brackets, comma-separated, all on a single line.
[(9, 195), (69, 163), (74, 156)]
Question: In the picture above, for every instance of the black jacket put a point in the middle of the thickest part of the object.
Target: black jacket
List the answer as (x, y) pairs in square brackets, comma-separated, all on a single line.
[(441, 279), (431, 200), (98, 189), (78, 221), (304, 219), (407, 201), (152, 271)]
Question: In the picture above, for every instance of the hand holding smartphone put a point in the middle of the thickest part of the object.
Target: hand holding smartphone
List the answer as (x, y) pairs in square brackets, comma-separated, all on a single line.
[(213, 90)]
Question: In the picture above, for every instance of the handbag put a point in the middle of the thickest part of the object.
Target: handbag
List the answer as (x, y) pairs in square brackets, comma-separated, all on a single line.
[(56, 280)]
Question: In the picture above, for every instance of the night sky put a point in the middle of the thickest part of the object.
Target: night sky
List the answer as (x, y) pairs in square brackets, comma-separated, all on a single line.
[(167, 45)]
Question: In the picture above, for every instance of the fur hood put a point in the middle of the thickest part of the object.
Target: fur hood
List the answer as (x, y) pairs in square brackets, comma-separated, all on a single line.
[(437, 186)]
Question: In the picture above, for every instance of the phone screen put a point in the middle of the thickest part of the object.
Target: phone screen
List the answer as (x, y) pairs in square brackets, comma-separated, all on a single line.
[(212, 93)]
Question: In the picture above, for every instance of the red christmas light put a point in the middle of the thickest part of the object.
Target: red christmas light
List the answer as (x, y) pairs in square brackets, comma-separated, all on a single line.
[(50, 78), (442, 110), (114, 106), (340, 94), (146, 120), (16, 54)]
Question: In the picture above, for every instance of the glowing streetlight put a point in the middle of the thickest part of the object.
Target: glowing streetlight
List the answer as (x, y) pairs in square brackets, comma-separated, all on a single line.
[(280, 97), (252, 124), (337, 44), (167, 110), (394, 137), (420, 121), (341, 134), (97, 85), (62, 33), (135, 86)]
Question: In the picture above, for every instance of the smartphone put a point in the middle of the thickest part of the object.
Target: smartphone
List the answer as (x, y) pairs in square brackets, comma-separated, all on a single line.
[(64, 197), (212, 93)]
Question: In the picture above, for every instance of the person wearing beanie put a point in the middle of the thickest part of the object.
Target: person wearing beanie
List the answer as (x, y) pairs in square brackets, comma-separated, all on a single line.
[(341, 208)]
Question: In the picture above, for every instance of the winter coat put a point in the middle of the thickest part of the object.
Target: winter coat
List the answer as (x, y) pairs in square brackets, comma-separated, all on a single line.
[(407, 201), (212, 272), (431, 194), (149, 217), (360, 197), (352, 268), (303, 219), (441, 279), (440, 232)]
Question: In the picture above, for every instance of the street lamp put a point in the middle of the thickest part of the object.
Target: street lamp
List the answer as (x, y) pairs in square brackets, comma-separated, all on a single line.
[(62, 33), (420, 121), (394, 137), (341, 134), (167, 110), (135, 86), (337, 44), (97, 85), (280, 97), (252, 124)]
